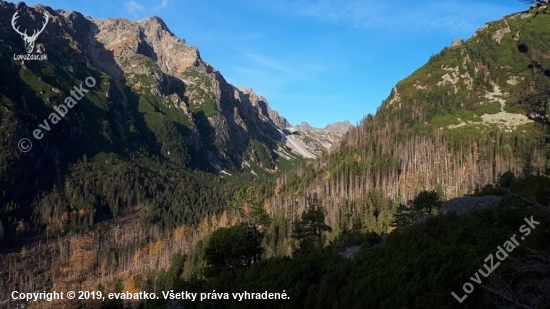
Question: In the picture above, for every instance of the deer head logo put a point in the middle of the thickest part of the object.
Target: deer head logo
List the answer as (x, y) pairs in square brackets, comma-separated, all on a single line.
[(29, 40)]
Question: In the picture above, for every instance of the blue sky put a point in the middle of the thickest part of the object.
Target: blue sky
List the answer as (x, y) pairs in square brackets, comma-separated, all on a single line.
[(318, 61)]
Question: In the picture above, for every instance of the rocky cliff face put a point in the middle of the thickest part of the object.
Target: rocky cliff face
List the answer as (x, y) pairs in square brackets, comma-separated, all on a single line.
[(234, 115), (154, 87), (237, 114)]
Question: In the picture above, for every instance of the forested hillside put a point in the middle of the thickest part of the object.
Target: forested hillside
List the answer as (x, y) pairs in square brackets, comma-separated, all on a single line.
[(453, 125), (418, 267)]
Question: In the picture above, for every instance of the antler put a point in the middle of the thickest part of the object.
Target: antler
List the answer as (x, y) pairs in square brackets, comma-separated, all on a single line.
[(16, 16), (35, 34)]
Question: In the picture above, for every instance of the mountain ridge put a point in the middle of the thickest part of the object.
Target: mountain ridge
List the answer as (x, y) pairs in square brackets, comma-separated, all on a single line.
[(338, 126), (165, 73)]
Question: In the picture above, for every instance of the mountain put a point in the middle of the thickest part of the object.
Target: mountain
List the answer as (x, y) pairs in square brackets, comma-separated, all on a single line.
[(131, 132), (311, 142), (454, 125), (462, 124), (336, 127), (154, 88), (230, 125)]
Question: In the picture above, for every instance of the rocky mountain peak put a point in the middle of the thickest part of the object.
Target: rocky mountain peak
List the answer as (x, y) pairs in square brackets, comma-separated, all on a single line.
[(262, 105), (339, 127), (304, 126), (155, 23), (160, 89), (149, 37)]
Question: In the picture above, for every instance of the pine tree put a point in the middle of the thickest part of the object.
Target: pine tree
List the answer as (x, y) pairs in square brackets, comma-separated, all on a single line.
[(426, 202), (403, 217), (312, 223), (233, 248), (249, 206)]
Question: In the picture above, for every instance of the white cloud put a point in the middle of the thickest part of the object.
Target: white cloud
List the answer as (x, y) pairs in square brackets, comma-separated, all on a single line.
[(288, 67), (246, 70), (162, 5), (449, 15), (269, 63), (133, 7)]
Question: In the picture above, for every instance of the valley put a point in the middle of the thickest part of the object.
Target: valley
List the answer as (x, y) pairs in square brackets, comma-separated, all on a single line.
[(167, 179)]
